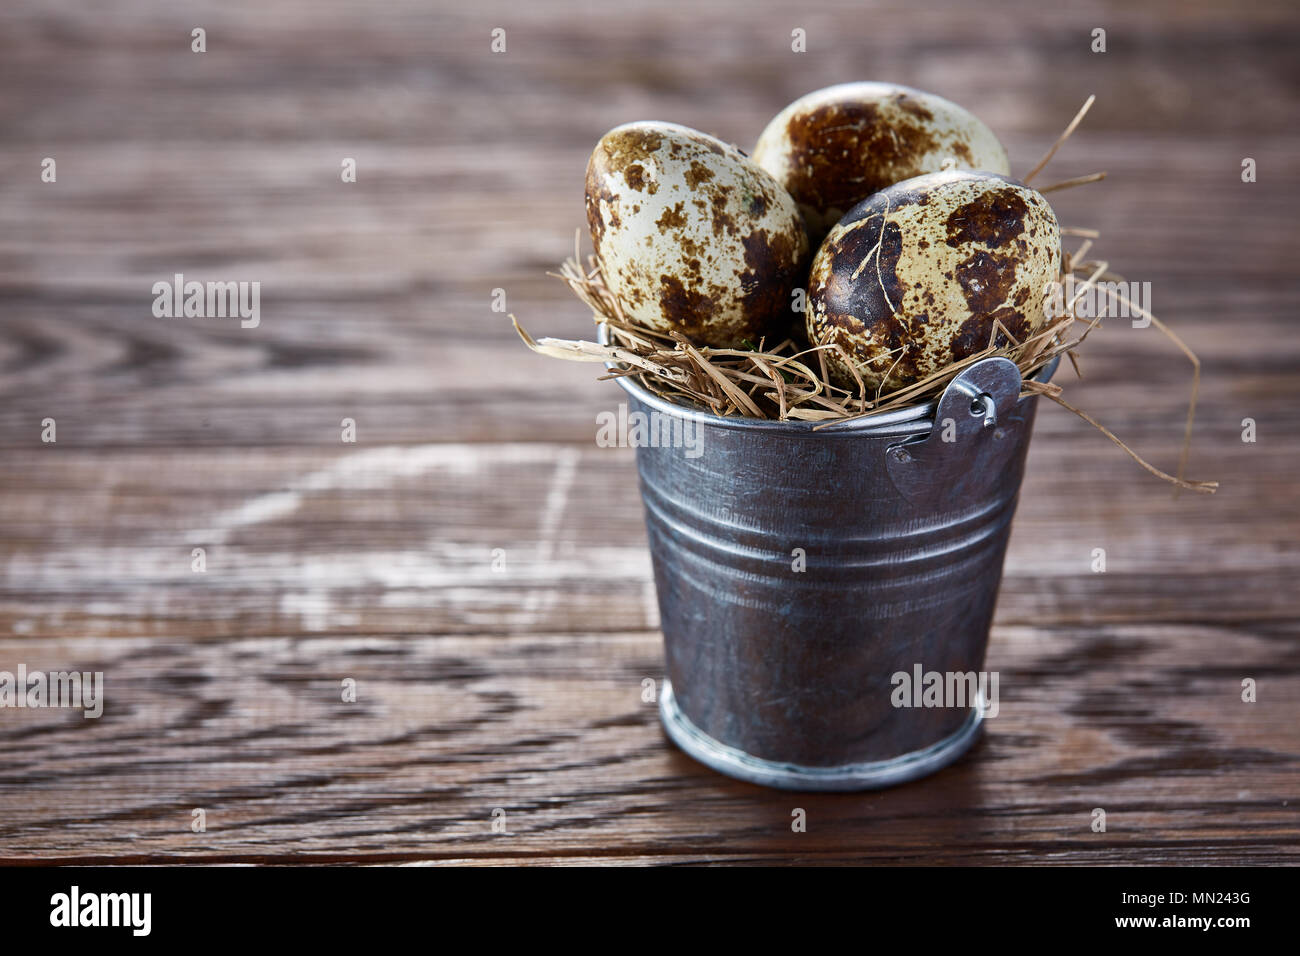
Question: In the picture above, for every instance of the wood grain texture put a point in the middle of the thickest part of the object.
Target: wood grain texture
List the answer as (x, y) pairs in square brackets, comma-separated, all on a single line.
[(1143, 720), (520, 688)]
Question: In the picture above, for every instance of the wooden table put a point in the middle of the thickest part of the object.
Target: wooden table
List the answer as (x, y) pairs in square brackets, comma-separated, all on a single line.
[(519, 689)]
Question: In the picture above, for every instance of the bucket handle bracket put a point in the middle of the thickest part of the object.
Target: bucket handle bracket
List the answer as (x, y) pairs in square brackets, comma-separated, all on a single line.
[(976, 422)]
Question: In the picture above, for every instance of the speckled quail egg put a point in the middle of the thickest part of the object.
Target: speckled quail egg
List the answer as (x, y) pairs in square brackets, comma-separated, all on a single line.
[(692, 236), (835, 147), (915, 277)]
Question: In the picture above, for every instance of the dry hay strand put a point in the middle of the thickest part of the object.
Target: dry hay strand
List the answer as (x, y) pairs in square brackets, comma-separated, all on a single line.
[(788, 381)]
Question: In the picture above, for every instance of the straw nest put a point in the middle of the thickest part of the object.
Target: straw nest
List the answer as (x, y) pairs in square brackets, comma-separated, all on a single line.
[(788, 381)]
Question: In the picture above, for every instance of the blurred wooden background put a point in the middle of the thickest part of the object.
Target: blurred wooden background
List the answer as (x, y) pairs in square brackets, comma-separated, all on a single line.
[(521, 689)]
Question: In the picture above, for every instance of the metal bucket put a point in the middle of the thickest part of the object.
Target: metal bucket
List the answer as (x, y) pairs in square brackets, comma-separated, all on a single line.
[(785, 676)]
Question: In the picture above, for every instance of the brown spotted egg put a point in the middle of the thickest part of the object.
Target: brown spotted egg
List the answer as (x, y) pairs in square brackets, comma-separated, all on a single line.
[(692, 236), (835, 147), (916, 277)]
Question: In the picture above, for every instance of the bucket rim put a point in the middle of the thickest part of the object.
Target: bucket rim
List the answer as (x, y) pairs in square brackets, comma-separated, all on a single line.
[(915, 414)]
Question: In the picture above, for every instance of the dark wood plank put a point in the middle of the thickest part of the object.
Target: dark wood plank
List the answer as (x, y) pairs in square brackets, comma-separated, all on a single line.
[(1145, 721), (400, 539), (521, 689)]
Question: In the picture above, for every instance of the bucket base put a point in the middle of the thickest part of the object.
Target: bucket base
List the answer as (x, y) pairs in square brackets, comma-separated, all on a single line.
[(872, 775)]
